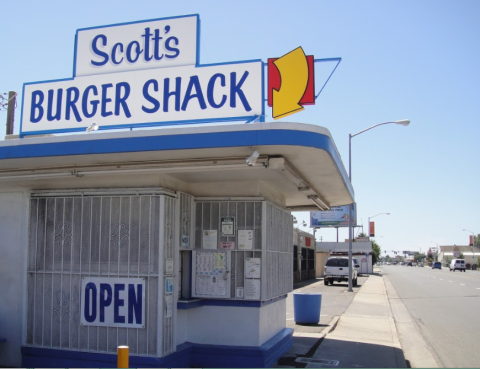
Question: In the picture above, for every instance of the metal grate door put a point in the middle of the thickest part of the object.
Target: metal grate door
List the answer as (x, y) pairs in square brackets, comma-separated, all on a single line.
[(96, 236)]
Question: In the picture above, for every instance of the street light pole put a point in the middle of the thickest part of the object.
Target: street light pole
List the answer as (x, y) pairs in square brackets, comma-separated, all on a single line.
[(419, 253), (436, 250), (473, 244), (404, 122)]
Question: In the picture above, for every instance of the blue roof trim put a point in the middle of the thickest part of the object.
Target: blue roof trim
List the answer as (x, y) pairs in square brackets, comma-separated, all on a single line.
[(179, 142)]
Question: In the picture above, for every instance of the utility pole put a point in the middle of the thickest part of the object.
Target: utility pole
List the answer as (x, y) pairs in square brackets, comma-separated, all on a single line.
[(12, 102)]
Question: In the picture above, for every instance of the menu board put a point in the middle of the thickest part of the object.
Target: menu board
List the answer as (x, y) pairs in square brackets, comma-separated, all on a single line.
[(211, 274)]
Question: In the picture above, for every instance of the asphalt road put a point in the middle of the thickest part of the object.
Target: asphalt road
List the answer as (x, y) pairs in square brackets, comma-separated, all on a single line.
[(446, 307)]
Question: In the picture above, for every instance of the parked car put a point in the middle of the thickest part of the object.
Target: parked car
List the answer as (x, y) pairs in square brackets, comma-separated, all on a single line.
[(457, 264), (437, 265), (409, 264), (420, 265), (336, 269)]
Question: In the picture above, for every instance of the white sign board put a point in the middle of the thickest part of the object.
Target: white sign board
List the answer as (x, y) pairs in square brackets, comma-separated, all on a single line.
[(142, 74), (210, 239), (245, 239), (113, 302), (337, 216), (144, 98), (160, 43)]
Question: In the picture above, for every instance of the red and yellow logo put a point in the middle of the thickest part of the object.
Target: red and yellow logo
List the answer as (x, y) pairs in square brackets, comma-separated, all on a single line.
[(290, 83)]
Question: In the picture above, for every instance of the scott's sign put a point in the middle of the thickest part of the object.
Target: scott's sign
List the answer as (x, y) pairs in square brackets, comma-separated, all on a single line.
[(147, 73), (168, 42), (142, 74)]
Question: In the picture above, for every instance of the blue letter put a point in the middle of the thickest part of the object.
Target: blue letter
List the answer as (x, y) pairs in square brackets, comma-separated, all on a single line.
[(237, 89), (98, 52), (121, 100), (146, 95), (147, 36), (134, 304), (90, 316), (36, 105), (194, 82), (174, 49), (94, 103), (58, 112), (138, 51), (105, 300), (114, 52), (105, 100), (210, 90), (156, 39), (167, 93), (71, 101), (117, 318)]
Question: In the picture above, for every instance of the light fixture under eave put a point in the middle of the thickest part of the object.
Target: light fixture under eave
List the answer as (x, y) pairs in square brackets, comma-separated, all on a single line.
[(174, 166), (294, 176), (92, 127), (252, 159), (318, 201)]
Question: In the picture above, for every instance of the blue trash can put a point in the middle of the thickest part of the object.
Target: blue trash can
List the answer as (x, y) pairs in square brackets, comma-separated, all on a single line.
[(306, 307)]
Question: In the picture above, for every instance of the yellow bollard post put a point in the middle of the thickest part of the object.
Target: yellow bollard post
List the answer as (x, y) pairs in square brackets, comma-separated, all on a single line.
[(122, 357)]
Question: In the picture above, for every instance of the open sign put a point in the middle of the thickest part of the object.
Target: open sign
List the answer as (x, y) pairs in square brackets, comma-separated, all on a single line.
[(113, 302)]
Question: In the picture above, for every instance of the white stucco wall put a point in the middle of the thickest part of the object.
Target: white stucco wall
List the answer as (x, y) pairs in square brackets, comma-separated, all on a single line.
[(231, 326), (13, 258)]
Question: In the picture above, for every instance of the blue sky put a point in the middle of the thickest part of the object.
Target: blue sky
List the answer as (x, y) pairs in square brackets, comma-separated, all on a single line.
[(406, 59)]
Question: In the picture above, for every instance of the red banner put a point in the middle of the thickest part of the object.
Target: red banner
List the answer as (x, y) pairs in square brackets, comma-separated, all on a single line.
[(372, 229)]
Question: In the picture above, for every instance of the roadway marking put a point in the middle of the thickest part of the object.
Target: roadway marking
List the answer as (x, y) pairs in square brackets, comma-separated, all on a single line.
[(450, 281), (441, 279), (462, 284), (478, 288)]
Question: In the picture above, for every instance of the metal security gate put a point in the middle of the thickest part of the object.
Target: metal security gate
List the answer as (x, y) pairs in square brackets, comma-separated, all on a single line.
[(271, 243), (98, 236)]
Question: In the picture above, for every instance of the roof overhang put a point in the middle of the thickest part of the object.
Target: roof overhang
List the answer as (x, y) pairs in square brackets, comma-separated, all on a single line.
[(298, 163)]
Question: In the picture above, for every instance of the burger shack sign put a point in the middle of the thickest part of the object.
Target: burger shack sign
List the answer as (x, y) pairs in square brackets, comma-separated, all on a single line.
[(142, 74)]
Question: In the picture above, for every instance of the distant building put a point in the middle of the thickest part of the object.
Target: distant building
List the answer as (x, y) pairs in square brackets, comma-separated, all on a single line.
[(303, 255), (361, 251), (470, 253)]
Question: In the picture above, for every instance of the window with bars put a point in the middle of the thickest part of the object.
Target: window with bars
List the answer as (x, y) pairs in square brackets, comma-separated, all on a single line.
[(272, 242), (97, 236)]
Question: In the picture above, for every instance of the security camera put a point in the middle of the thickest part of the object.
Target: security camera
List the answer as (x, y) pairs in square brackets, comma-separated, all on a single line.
[(252, 159)]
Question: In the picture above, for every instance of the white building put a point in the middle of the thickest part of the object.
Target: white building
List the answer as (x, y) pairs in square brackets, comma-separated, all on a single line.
[(470, 253), (176, 242), (152, 208), (361, 251)]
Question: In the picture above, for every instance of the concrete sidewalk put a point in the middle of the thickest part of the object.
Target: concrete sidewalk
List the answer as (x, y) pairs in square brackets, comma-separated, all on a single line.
[(364, 336)]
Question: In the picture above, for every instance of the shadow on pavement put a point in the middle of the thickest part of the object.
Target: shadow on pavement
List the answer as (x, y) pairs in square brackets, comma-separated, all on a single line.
[(325, 352)]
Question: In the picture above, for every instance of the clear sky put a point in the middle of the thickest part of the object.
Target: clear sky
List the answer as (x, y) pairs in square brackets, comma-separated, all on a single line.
[(407, 59)]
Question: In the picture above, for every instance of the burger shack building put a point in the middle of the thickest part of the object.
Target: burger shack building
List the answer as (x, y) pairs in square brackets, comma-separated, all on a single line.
[(162, 239)]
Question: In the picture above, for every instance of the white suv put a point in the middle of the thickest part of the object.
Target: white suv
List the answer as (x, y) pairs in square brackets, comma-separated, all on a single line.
[(336, 269), (457, 264)]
